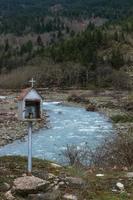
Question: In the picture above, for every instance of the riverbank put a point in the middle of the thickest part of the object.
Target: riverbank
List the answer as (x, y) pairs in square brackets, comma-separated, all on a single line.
[(116, 105)]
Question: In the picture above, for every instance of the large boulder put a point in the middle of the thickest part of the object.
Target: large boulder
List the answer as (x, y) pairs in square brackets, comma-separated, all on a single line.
[(29, 185)]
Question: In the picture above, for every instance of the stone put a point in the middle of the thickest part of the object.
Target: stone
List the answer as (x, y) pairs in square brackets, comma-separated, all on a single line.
[(91, 107), (61, 183), (54, 195), (120, 186), (24, 175), (125, 168), (9, 196), (56, 165), (114, 190), (129, 175), (29, 184), (55, 182), (99, 175), (75, 182), (70, 197), (51, 185), (51, 176), (56, 187)]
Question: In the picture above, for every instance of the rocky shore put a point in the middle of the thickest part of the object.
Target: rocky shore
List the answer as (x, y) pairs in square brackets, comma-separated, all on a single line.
[(10, 127), (111, 103), (116, 105)]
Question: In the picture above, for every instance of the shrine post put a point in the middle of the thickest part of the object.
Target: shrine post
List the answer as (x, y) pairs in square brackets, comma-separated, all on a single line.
[(30, 110)]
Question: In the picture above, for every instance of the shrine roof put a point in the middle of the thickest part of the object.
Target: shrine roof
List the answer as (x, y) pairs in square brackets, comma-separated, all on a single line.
[(24, 92)]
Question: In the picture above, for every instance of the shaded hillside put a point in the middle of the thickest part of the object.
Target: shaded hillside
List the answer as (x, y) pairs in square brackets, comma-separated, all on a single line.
[(66, 51), (21, 16), (98, 56)]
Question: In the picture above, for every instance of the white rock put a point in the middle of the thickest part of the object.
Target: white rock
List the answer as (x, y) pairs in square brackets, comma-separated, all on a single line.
[(51, 176), (75, 181), (129, 175), (120, 186), (56, 187), (9, 196), (2, 97), (56, 165), (61, 183), (99, 175), (114, 190), (70, 197)]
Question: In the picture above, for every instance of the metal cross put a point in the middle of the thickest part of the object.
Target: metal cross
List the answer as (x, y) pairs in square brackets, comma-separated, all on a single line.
[(32, 81)]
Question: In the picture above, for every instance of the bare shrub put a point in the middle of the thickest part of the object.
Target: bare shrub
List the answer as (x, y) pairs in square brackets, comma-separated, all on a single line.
[(46, 73), (78, 98), (114, 151), (121, 80), (76, 156), (103, 74)]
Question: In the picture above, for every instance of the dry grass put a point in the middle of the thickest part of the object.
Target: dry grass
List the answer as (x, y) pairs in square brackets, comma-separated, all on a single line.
[(46, 73), (19, 78)]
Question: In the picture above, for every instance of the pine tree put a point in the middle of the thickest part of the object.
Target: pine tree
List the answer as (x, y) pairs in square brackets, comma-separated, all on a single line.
[(117, 59), (39, 41), (116, 36), (7, 46)]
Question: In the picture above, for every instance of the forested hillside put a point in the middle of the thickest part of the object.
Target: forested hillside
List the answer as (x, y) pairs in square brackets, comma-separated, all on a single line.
[(24, 16), (71, 43)]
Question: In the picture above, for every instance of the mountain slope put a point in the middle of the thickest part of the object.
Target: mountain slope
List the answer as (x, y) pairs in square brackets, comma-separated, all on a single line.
[(22, 16)]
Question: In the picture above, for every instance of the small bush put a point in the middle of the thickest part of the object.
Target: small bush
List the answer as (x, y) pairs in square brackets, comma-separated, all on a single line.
[(114, 151), (76, 156), (121, 80), (78, 98), (122, 118)]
